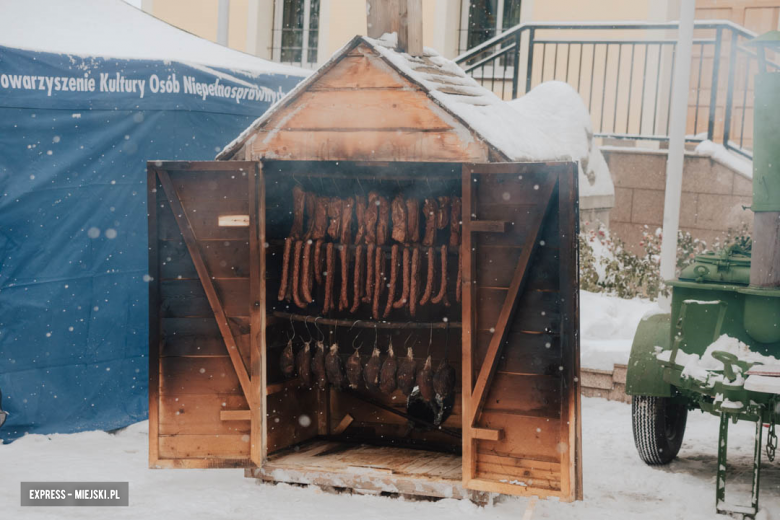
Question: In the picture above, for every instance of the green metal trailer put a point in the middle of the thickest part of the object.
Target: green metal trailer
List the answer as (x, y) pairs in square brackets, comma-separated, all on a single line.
[(686, 359)]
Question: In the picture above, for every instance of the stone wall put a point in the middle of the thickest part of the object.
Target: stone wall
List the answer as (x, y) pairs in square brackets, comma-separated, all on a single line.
[(712, 200)]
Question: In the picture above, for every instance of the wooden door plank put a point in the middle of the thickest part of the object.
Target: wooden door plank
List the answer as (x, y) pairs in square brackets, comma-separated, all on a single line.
[(508, 309), (155, 339), (257, 316), (208, 286), (571, 426), (468, 293)]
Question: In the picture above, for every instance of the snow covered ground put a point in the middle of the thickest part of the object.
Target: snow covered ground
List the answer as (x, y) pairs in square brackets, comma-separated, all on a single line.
[(607, 327), (617, 484)]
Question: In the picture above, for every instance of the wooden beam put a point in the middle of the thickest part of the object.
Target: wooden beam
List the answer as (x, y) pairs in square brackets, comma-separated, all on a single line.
[(487, 434), (488, 226), (343, 424), (208, 286), (490, 362), (235, 415), (468, 259), (155, 339), (257, 316)]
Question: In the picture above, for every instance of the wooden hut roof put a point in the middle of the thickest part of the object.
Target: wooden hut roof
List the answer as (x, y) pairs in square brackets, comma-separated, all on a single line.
[(504, 131)]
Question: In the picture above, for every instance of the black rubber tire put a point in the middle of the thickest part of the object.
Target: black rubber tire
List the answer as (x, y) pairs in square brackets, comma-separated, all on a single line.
[(659, 428)]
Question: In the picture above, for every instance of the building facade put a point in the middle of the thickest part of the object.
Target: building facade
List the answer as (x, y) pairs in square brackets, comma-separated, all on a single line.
[(308, 32)]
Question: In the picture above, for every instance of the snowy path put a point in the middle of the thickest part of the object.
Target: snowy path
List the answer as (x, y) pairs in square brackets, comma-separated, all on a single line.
[(617, 484)]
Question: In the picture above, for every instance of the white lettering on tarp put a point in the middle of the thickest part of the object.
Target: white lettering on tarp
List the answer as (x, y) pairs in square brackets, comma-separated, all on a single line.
[(117, 83), (169, 85), (216, 89)]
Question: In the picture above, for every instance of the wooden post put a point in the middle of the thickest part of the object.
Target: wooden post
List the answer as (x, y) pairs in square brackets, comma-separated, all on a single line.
[(382, 17), (403, 17)]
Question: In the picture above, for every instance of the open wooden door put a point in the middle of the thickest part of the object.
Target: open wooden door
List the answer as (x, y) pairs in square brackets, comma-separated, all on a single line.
[(206, 314), (521, 392)]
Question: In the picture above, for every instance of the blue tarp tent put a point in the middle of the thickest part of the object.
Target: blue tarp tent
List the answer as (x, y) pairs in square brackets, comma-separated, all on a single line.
[(75, 134)]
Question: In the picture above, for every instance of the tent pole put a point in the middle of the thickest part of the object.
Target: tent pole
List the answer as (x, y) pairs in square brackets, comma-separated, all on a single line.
[(223, 18)]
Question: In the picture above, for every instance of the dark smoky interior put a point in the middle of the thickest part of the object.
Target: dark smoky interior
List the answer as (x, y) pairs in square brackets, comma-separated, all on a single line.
[(303, 408)]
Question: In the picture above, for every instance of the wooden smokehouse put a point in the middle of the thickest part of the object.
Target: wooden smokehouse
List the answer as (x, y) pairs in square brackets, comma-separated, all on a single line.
[(375, 207)]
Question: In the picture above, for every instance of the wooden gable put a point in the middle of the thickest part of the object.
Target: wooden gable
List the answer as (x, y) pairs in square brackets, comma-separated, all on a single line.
[(359, 107)]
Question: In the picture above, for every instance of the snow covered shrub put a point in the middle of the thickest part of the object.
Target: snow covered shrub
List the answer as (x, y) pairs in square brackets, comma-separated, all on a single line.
[(607, 266)]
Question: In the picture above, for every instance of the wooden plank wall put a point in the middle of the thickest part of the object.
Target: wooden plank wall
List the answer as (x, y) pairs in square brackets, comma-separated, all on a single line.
[(362, 109), (196, 377), (526, 396)]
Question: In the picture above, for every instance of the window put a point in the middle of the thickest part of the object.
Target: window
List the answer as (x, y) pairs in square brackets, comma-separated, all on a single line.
[(483, 19), (296, 32)]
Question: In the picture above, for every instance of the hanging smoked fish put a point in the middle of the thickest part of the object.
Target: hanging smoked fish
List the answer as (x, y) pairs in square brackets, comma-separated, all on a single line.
[(334, 368), (354, 370), (318, 366), (372, 369), (387, 375), (287, 361), (303, 364), (407, 372), (425, 381)]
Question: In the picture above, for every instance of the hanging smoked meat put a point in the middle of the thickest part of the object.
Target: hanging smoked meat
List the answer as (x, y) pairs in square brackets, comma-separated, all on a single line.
[(412, 221), (307, 284), (371, 216), (443, 212), (318, 366), (425, 381), (387, 375), (455, 222), (429, 280), (330, 275), (285, 282), (303, 364), (320, 227), (444, 379), (383, 222), (318, 261), (335, 207), (354, 370), (372, 369), (299, 208), (296, 275), (360, 216), (398, 212), (287, 361), (381, 281), (407, 272), (347, 211), (415, 281), (430, 213), (441, 297), (334, 368), (393, 280), (407, 372), (311, 209), (357, 286)]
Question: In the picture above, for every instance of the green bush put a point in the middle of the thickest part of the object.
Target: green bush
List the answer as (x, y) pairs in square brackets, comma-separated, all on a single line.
[(607, 266)]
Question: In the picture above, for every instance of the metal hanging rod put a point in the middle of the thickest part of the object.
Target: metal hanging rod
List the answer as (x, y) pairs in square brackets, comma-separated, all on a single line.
[(367, 324)]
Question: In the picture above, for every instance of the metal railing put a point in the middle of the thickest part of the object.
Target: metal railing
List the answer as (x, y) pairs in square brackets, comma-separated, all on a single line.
[(623, 71)]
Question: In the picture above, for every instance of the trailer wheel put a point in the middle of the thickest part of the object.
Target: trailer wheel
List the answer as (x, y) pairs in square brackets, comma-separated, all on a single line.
[(659, 427)]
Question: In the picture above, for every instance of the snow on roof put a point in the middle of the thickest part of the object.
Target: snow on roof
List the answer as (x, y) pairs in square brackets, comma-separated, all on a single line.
[(112, 28), (483, 111)]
